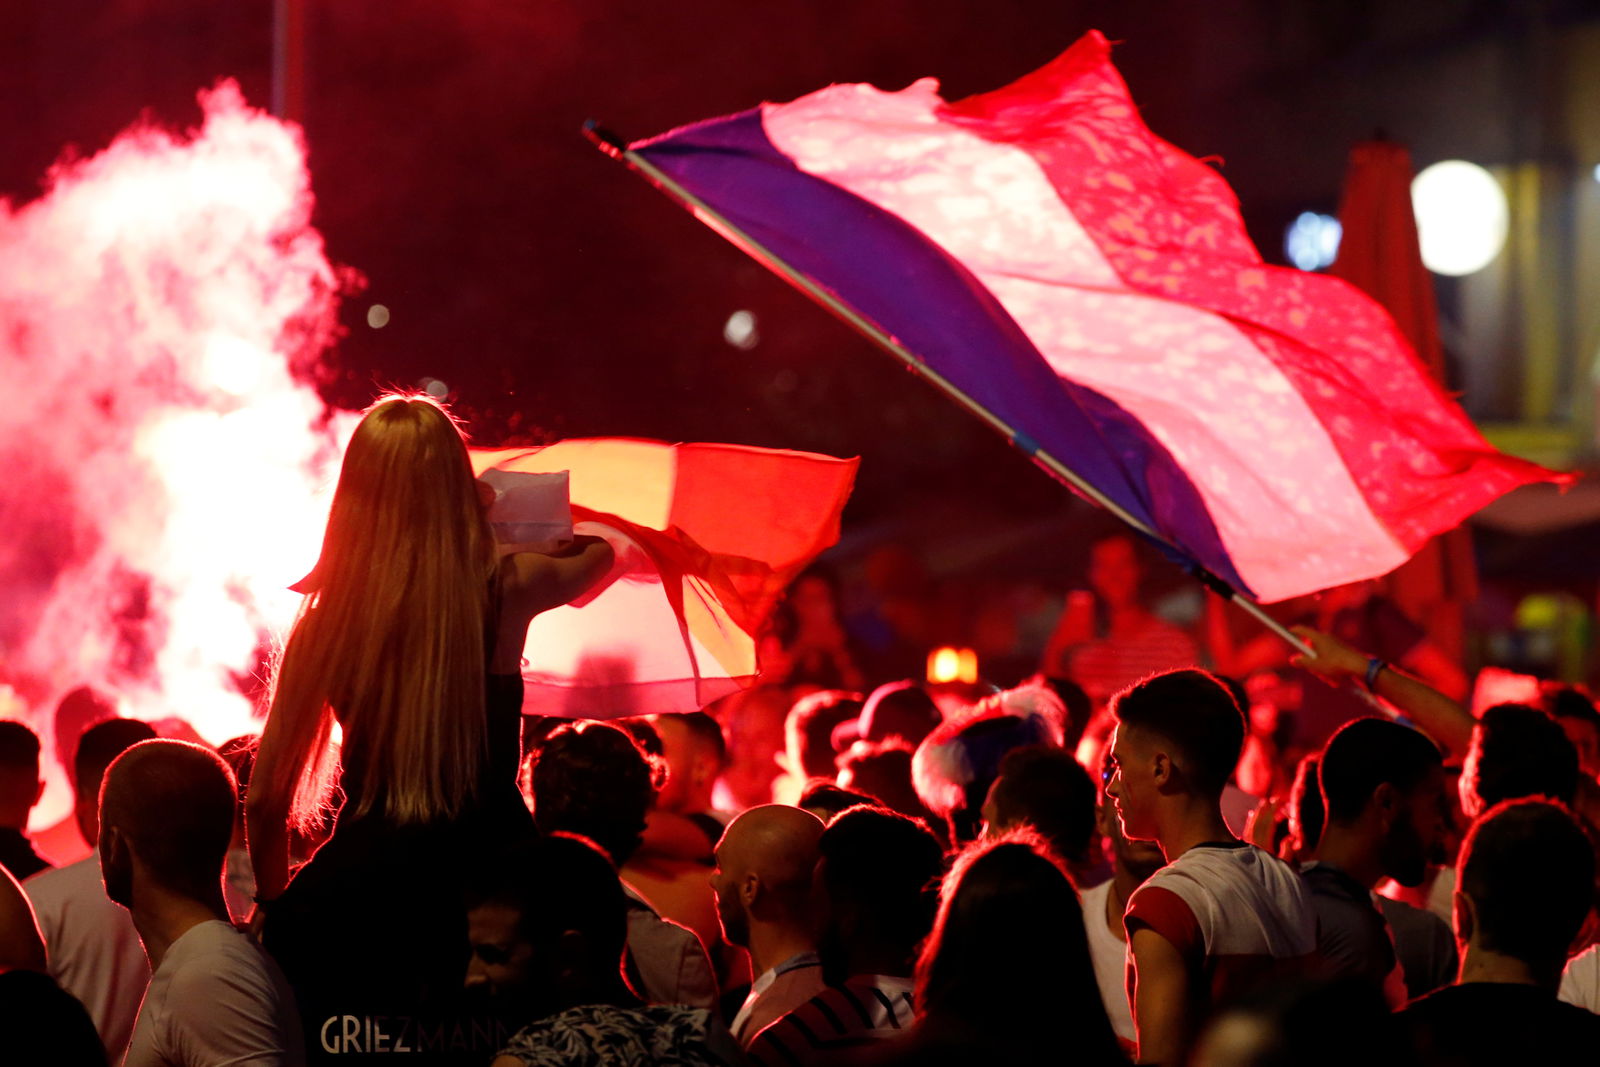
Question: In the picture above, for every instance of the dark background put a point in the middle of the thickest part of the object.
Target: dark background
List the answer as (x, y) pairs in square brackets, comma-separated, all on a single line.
[(558, 295)]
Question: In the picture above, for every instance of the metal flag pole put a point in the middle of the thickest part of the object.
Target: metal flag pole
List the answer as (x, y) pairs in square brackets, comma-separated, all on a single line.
[(617, 148)]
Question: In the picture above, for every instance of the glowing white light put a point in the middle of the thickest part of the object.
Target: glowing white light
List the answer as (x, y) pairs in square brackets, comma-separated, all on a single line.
[(434, 388), (1461, 217), (1312, 240), (377, 316), (740, 330), (1597, 172)]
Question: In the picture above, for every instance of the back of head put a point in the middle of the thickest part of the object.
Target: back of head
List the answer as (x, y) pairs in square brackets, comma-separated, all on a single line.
[(1047, 788), (173, 803), (882, 770), (1196, 714), (392, 634), (1522, 752), (80, 709), (592, 779), (1009, 950), (808, 731), (899, 709), (824, 798), (99, 745), (1528, 868), (956, 764), (777, 845), (19, 750), (884, 868), (1367, 753)]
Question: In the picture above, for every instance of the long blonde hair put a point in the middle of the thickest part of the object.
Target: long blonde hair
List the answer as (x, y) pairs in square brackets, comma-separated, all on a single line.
[(391, 635)]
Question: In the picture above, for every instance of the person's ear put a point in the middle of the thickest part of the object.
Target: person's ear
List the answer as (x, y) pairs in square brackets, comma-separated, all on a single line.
[(1386, 802), (571, 961), (1164, 771), (749, 891), (1464, 915)]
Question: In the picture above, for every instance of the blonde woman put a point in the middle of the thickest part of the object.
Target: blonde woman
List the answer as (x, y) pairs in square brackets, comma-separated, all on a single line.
[(410, 640)]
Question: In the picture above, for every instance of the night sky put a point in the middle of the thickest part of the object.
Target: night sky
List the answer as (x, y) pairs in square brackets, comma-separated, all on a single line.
[(558, 295)]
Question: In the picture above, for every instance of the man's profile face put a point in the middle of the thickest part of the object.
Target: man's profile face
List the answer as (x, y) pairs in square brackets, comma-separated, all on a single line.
[(1417, 836), (1128, 786), (502, 962), (730, 907)]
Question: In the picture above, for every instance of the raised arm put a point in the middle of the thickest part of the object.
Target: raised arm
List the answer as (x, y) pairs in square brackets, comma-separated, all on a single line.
[(1443, 719), (532, 582)]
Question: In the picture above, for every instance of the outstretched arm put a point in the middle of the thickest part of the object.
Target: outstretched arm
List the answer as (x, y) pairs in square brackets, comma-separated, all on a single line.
[(532, 582), (1446, 721)]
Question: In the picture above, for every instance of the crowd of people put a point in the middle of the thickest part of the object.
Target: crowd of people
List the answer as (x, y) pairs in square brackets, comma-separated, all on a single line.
[(1128, 857)]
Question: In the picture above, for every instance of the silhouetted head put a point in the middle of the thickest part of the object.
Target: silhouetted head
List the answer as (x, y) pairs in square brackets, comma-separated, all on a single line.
[(1525, 884), (1386, 780), (1178, 733), (166, 813), (593, 780), (764, 867), (1517, 751)]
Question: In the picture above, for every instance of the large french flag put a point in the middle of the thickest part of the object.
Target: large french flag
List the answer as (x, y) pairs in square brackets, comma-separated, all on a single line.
[(1094, 288)]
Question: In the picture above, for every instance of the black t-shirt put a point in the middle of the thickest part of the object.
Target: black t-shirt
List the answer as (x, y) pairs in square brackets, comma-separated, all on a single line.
[(1494, 1024)]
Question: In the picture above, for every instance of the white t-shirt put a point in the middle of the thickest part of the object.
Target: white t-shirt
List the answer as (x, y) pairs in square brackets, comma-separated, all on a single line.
[(217, 999), (1580, 984), (1110, 957), (94, 951)]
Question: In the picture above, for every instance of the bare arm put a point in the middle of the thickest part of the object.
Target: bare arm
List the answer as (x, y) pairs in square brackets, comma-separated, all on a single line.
[(1160, 998), (532, 582), (1446, 721), (267, 835), (21, 946)]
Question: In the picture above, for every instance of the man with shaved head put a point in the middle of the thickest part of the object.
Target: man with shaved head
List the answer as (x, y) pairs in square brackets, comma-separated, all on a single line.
[(166, 818), (762, 881)]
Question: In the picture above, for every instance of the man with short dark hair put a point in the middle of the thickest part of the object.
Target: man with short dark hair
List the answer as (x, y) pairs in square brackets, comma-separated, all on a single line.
[(20, 789), (1517, 751), (592, 779), (1221, 916), (215, 997), (878, 881), (95, 951), (1526, 886), (546, 922), (1045, 787), (1387, 814)]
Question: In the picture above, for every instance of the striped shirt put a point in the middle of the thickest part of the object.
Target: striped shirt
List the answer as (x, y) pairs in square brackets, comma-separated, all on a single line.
[(866, 1008)]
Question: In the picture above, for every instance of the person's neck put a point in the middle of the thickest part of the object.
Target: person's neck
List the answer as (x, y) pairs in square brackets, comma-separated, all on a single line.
[(1190, 821), (162, 916), (1351, 851), (772, 943), (1123, 883), (1479, 964)]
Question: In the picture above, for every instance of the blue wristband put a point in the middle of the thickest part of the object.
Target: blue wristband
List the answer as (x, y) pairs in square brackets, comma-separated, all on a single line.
[(1375, 667)]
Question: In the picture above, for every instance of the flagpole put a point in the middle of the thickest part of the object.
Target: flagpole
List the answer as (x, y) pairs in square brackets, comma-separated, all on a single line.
[(617, 149)]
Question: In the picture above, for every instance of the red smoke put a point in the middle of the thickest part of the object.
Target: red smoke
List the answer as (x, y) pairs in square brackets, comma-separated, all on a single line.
[(163, 470)]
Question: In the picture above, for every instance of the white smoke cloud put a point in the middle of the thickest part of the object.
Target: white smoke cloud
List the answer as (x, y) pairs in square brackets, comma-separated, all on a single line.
[(163, 472)]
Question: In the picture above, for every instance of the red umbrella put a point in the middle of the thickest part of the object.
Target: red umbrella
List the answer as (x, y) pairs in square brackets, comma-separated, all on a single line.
[(1379, 254)]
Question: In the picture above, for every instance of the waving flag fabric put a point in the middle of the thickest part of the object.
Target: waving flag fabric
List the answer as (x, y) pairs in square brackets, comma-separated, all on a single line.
[(707, 536), (1094, 287)]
